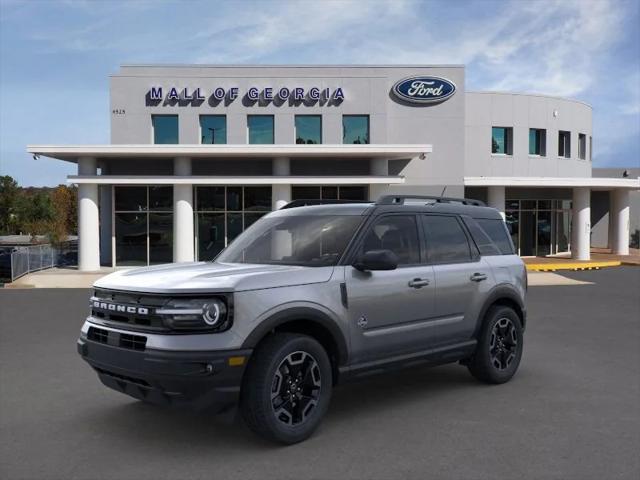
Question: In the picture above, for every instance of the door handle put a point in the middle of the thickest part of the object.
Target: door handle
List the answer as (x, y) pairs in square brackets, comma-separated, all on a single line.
[(418, 282), (478, 277)]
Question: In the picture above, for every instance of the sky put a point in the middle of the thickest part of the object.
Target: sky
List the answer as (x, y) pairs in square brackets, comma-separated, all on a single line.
[(56, 56)]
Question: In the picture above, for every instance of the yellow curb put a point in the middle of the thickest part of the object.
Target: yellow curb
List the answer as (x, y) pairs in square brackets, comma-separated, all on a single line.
[(552, 267)]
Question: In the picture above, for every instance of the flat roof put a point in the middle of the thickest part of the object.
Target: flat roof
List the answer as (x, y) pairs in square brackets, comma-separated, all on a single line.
[(71, 153)]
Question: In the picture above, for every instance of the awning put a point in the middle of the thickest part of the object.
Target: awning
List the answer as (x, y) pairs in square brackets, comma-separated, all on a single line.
[(71, 153), (235, 180), (595, 183)]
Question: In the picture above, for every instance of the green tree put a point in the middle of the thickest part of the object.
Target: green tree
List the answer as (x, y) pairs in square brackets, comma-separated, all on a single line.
[(9, 191)]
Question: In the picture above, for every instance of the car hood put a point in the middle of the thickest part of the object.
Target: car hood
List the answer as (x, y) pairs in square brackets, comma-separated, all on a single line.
[(211, 276)]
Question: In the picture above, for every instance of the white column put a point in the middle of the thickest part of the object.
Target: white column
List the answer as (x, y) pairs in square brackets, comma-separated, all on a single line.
[(88, 219), (496, 199), (280, 194), (183, 239), (379, 167), (581, 234), (619, 218)]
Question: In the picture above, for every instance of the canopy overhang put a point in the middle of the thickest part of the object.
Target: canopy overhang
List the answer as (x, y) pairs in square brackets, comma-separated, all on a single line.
[(594, 183), (71, 153), (236, 180)]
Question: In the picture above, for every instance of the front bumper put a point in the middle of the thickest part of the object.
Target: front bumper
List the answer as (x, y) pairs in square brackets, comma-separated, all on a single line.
[(197, 379)]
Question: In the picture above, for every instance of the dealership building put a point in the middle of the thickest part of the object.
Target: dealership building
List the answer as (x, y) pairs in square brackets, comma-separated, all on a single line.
[(199, 153)]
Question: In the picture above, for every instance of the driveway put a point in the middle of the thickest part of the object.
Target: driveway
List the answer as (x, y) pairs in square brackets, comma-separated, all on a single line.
[(572, 411)]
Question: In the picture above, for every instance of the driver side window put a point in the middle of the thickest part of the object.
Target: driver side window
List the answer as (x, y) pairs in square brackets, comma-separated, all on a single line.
[(397, 233)]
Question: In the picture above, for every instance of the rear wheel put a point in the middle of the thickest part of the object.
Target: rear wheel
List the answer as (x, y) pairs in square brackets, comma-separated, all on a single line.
[(499, 347), (287, 388)]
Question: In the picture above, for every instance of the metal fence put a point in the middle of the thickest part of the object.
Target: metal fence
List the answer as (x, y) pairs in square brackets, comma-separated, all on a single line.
[(23, 260)]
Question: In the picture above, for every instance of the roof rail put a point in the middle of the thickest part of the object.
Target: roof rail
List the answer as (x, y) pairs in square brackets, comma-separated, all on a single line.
[(400, 200), (318, 201)]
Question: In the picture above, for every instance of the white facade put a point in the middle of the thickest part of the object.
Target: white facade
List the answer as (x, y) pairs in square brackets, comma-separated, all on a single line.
[(232, 150)]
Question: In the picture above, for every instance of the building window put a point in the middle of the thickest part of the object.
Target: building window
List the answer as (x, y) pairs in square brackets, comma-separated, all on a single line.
[(502, 140), (537, 142), (329, 192), (260, 129), (564, 144), (222, 213), (308, 129), (213, 129), (590, 148), (355, 129), (165, 129), (582, 146), (143, 225)]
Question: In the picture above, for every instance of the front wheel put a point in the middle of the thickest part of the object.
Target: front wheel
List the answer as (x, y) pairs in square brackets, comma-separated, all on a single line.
[(287, 388), (499, 347)]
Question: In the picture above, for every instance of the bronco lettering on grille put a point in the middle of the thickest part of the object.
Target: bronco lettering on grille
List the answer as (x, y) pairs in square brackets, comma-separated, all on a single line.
[(113, 307)]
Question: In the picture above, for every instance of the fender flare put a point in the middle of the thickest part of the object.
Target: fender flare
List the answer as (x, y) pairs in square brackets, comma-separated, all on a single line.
[(300, 313), (500, 292)]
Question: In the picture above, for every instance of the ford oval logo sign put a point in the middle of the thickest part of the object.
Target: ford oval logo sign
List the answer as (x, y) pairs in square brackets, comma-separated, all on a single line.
[(424, 89)]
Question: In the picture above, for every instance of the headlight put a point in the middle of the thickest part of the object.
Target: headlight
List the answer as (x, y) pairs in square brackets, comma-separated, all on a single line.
[(196, 314)]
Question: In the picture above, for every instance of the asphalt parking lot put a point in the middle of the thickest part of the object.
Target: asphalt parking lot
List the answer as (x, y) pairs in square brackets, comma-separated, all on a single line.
[(572, 411)]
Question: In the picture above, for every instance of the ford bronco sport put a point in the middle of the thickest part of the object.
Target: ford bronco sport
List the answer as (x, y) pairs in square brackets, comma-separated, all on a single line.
[(310, 296)]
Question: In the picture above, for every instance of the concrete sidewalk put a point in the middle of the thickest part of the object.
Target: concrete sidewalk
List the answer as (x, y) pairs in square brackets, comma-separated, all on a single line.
[(70, 278), (59, 278)]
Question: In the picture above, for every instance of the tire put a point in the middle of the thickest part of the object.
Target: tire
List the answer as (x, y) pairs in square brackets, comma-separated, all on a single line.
[(297, 369), (499, 349)]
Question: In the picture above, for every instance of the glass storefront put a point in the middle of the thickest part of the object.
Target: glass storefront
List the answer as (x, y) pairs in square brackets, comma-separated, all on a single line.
[(143, 225), (330, 192), (539, 227), (222, 213)]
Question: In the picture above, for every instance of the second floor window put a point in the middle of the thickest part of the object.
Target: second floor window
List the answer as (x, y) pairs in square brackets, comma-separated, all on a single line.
[(502, 140), (165, 129), (213, 129), (582, 146), (355, 129), (537, 141), (308, 129), (564, 144), (260, 129)]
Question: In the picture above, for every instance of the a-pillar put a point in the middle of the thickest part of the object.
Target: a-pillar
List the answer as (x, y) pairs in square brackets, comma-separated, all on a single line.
[(619, 219), (581, 232), (183, 238), (280, 193), (378, 167), (496, 199), (88, 219)]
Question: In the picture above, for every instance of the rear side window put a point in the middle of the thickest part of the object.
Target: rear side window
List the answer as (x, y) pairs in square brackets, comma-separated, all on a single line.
[(481, 238), (446, 240), (497, 233)]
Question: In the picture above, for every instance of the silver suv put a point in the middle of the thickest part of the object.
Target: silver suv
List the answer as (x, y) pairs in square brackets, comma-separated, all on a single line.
[(310, 296)]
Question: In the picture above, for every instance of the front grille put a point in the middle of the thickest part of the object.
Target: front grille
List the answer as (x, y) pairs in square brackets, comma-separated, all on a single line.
[(117, 339), (138, 314), (98, 335), (133, 342)]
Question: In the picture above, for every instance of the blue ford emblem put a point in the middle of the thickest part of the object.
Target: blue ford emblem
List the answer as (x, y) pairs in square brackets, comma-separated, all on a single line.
[(424, 89)]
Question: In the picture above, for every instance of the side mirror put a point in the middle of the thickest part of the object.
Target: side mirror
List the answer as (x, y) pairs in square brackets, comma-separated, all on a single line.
[(376, 260)]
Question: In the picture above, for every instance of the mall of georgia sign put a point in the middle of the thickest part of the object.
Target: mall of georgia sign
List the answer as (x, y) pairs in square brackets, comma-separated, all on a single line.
[(423, 90)]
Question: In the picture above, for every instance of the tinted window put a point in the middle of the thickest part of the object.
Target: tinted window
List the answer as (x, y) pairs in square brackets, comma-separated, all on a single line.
[(213, 129), (165, 129), (446, 240), (308, 129), (498, 234), (397, 233), (355, 129), (260, 129)]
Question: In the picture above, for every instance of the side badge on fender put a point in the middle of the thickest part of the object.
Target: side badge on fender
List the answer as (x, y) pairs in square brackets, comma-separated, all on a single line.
[(362, 321)]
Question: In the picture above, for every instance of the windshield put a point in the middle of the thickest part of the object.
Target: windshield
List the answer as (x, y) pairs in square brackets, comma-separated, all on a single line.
[(306, 240)]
